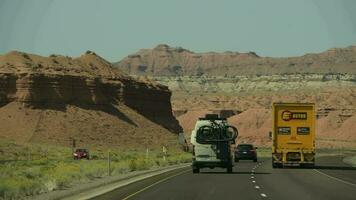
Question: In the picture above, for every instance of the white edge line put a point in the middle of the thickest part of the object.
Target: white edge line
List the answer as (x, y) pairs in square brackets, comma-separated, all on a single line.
[(102, 189), (337, 179)]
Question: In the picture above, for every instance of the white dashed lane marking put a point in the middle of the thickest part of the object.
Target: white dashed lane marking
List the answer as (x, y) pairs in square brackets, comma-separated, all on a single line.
[(263, 195)]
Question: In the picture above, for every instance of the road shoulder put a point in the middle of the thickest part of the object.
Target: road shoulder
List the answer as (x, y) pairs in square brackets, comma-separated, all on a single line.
[(104, 185)]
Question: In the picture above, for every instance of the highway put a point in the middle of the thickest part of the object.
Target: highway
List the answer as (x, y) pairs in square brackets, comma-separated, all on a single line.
[(330, 179)]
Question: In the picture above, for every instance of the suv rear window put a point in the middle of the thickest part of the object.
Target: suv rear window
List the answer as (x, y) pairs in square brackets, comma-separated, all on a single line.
[(244, 147)]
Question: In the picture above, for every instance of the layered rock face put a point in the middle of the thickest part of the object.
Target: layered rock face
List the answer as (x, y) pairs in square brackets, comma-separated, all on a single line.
[(88, 82), (238, 85), (164, 60), (154, 104), (249, 101)]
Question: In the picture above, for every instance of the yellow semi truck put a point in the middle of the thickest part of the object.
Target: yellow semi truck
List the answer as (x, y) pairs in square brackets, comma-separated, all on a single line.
[(293, 134)]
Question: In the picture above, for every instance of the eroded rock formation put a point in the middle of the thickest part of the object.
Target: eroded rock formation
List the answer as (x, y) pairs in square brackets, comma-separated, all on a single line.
[(88, 82)]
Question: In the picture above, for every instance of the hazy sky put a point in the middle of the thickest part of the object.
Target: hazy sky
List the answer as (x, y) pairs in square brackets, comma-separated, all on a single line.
[(116, 28)]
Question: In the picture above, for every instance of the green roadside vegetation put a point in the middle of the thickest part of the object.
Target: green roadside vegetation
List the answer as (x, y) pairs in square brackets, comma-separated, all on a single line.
[(30, 169)]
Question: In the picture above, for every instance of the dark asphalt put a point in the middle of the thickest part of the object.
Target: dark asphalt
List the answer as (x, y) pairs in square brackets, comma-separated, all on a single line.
[(330, 179)]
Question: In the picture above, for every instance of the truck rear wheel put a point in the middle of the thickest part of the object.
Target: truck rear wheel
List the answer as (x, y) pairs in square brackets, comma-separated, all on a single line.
[(196, 170), (276, 165), (229, 169), (308, 165)]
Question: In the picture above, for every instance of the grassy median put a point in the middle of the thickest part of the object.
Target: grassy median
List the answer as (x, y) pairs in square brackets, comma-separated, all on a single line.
[(32, 169)]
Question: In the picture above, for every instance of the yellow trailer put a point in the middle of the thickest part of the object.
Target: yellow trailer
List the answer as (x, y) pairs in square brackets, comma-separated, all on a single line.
[(293, 134)]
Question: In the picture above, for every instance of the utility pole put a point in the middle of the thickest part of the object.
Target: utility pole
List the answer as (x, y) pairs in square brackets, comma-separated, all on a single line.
[(109, 163), (73, 145), (28, 154), (164, 150)]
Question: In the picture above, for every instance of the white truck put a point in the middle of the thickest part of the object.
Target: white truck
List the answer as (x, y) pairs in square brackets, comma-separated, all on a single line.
[(213, 139)]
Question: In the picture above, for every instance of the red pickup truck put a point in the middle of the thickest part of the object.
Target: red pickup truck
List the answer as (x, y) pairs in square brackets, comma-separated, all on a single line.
[(81, 153)]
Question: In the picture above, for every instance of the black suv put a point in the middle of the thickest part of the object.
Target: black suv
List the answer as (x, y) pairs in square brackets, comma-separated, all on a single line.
[(245, 152)]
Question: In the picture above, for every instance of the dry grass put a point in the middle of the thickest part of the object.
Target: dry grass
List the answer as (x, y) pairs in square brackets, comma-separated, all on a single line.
[(47, 168)]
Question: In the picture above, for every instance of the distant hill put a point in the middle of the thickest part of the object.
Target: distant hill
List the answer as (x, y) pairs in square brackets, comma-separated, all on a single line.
[(164, 60)]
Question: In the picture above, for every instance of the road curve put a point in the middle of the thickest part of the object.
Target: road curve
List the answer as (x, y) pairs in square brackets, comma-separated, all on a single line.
[(331, 179)]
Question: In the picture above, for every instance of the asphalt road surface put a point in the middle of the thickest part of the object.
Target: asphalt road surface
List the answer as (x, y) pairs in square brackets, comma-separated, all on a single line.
[(330, 179)]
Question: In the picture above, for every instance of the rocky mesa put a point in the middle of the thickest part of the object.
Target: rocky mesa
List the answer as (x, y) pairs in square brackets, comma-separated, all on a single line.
[(164, 60), (57, 98)]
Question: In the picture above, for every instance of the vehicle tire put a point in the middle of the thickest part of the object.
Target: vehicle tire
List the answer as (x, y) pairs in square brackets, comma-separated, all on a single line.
[(236, 160), (229, 169), (196, 170), (275, 165), (255, 160), (308, 165)]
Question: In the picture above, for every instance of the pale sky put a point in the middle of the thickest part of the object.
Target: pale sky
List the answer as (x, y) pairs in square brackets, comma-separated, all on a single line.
[(116, 28)]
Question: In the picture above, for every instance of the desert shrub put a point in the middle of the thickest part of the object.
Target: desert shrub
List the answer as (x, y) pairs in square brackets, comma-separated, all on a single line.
[(16, 187), (142, 163), (64, 174), (93, 169)]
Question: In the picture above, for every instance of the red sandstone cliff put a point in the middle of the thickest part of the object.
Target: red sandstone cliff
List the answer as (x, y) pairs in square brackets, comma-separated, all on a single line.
[(88, 83)]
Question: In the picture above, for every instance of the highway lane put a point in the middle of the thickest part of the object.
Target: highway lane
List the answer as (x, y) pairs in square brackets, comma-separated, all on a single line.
[(330, 180)]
